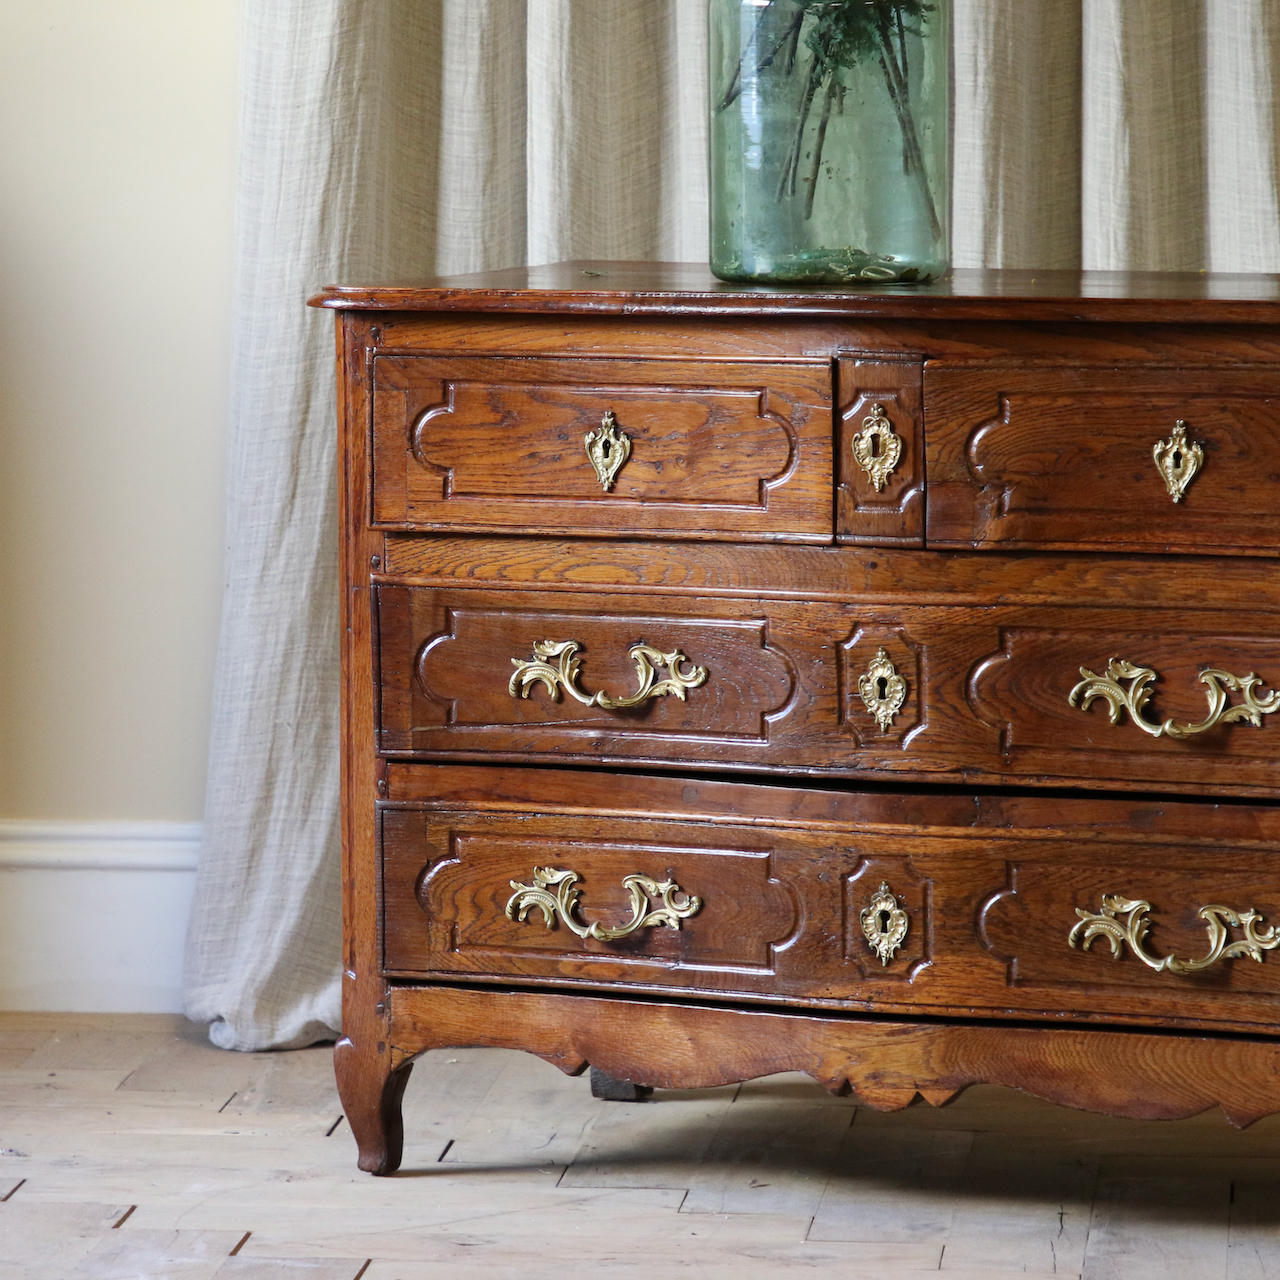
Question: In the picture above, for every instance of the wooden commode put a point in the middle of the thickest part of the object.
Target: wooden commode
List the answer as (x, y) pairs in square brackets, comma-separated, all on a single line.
[(877, 685)]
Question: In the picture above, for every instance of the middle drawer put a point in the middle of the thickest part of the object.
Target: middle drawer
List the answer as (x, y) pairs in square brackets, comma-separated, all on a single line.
[(1101, 696)]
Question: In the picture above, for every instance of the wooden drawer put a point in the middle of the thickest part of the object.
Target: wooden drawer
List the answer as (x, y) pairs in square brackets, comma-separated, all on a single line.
[(985, 906), (707, 448), (1063, 458), (1162, 697), (1101, 696)]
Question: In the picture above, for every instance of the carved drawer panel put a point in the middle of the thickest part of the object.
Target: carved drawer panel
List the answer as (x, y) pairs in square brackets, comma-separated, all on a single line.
[(622, 897), (1165, 697), (1104, 459), (582, 898), (709, 448), (578, 675), (679, 680), (880, 463), (1101, 696), (1166, 923), (1135, 697), (1093, 909)]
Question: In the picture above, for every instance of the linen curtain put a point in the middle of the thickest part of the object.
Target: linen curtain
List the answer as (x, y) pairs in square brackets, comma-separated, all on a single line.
[(403, 138)]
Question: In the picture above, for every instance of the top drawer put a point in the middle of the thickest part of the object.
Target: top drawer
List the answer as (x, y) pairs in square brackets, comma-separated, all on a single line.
[(563, 445), (1109, 459)]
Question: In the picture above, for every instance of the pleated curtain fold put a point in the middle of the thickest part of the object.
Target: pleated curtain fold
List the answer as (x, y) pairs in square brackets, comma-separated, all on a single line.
[(404, 138)]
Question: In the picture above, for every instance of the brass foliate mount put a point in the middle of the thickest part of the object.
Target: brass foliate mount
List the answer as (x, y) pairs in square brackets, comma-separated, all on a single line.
[(1137, 694), (681, 674), (1125, 922), (876, 449), (553, 893), (884, 923), (608, 448), (1178, 459), (882, 689)]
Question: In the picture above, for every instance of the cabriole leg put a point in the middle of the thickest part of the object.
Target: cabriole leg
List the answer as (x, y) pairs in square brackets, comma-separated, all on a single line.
[(371, 1091)]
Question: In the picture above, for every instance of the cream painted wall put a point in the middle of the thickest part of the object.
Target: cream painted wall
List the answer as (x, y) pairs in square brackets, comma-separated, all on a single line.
[(117, 155)]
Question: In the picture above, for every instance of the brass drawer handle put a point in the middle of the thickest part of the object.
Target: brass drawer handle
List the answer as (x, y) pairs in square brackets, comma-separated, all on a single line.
[(1178, 459), (1134, 927), (564, 675), (676, 905), (607, 449), (876, 449), (1135, 698)]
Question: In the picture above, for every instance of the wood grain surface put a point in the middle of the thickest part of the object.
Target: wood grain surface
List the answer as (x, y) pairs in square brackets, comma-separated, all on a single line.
[(1035, 458), (990, 908), (988, 694), (893, 515), (717, 448), (885, 1064), (1027, 407), (679, 288)]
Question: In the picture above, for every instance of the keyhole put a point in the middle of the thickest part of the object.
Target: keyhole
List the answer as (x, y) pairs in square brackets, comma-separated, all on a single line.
[(1177, 459), (875, 445), (882, 922), (605, 446), (882, 687)]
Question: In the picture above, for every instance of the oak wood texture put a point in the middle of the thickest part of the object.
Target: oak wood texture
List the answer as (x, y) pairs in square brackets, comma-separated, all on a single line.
[(717, 448), (680, 288), (991, 903), (1035, 458), (988, 691), (884, 1064), (456, 563), (892, 515)]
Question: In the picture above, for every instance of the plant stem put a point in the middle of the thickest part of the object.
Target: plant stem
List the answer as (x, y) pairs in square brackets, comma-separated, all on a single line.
[(899, 92), (832, 82), (906, 80), (791, 34), (787, 187)]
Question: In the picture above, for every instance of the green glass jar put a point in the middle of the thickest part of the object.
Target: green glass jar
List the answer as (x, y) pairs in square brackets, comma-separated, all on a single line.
[(830, 140)]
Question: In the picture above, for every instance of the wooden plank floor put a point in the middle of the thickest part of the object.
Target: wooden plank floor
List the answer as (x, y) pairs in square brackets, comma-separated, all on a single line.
[(131, 1148)]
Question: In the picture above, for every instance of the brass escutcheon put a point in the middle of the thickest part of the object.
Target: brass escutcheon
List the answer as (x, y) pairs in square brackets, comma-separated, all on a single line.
[(1178, 459), (884, 923), (882, 689), (607, 449), (876, 449)]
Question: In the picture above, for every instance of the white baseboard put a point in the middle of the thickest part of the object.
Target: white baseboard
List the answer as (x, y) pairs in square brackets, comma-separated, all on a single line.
[(93, 915)]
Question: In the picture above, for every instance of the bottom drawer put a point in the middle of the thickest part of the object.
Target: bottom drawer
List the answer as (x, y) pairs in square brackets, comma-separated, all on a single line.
[(963, 905)]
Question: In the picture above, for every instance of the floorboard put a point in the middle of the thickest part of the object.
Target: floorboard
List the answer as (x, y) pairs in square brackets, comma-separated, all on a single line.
[(131, 1147)]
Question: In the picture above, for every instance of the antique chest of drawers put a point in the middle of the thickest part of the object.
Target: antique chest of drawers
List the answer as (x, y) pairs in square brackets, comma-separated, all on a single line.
[(876, 685)]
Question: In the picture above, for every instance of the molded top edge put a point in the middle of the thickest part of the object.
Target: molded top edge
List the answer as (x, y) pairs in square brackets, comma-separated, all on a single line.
[(689, 289)]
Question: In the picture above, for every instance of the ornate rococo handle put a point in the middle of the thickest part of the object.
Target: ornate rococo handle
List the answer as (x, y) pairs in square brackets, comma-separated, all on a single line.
[(1178, 459), (1135, 698), (1132, 930), (675, 904), (876, 449), (564, 675)]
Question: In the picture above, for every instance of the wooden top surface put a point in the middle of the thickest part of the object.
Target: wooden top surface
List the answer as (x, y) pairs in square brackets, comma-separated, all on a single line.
[(689, 289)]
